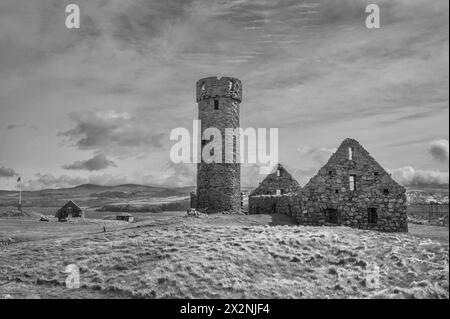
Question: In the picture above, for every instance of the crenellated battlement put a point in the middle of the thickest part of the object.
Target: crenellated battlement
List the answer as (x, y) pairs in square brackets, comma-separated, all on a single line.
[(213, 87)]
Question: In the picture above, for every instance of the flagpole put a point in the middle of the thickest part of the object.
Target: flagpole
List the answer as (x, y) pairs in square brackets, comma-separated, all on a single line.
[(20, 193)]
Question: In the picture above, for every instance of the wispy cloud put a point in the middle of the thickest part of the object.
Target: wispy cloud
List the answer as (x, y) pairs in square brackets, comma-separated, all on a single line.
[(110, 132), (318, 155), (14, 126), (96, 163), (21, 125), (47, 180), (7, 172), (408, 176), (439, 150)]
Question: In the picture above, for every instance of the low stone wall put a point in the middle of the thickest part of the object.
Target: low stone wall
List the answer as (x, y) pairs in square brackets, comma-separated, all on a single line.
[(288, 204)]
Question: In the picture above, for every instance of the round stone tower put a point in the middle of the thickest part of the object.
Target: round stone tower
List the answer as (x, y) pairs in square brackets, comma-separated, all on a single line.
[(219, 184)]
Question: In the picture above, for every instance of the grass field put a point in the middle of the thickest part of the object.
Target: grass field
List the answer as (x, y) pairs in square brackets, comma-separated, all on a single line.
[(221, 256)]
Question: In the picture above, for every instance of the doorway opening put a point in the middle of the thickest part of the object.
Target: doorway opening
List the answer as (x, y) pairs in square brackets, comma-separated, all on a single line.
[(332, 216)]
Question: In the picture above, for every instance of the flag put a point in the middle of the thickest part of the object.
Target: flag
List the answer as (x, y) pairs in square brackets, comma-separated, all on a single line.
[(19, 179)]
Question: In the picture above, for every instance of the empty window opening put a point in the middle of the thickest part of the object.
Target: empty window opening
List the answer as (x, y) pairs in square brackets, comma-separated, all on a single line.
[(372, 215), (235, 150), (330, 172), (385, 191), (376, 173), (352, 179), (278, 173), (216, 104), (337, 191), (350, 153), (203, 87)]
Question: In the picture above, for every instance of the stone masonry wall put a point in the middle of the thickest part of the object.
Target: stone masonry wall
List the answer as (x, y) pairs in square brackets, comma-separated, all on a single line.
[(328, 193), (282, 181), (218, 184), (265, 200), (289, 204)]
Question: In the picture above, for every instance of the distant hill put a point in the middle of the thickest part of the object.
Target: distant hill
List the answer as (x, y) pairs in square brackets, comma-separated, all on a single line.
[(99, 188), (95, 196), (90, 195)]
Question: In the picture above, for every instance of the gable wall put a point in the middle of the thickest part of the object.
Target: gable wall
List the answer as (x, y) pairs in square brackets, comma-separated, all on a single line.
[(327, 190), (272, 182), (63, 212)]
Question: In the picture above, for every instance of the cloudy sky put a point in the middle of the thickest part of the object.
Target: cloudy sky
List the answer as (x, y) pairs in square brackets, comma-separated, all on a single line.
[(97, 104)]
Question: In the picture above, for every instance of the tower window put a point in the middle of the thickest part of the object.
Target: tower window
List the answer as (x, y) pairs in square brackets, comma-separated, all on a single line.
[(278, 173), (376, 173), (350, 153), (216, 104), (372, 215), (330, 172), (352, 182), (385, 191), (336, 191)]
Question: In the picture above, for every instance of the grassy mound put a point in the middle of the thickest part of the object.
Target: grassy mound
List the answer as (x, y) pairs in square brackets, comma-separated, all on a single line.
[(15, 213)]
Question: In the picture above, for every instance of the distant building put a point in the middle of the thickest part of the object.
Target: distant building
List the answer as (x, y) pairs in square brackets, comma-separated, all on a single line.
[(125, 217), (351, 189), (70, 209)]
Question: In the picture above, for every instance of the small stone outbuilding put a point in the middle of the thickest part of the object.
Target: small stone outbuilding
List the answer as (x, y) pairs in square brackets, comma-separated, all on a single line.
[(125, 217), (278, 193)]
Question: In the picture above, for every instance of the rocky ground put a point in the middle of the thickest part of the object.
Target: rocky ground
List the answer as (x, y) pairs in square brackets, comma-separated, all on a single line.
[(227, 257)]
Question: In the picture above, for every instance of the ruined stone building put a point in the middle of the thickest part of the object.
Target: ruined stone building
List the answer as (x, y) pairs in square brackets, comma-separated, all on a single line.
[(278, 193), (351, 189), (219, 183)]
